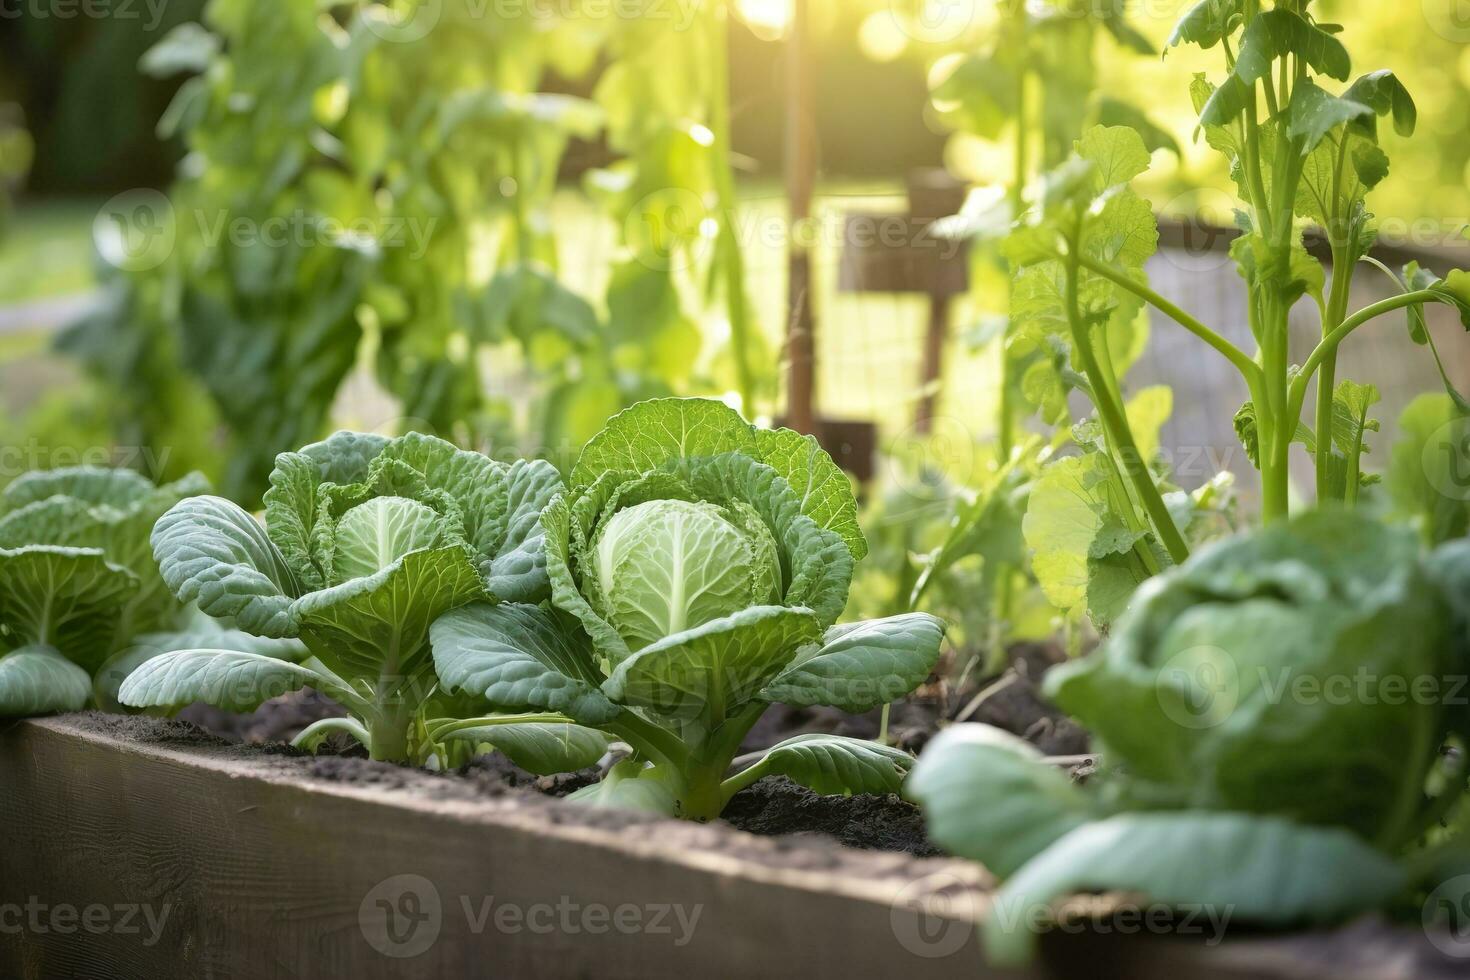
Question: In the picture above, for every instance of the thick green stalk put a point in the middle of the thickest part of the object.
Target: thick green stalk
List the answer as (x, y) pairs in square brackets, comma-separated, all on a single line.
[(731, 259), (1115, 421), (1327, 376)]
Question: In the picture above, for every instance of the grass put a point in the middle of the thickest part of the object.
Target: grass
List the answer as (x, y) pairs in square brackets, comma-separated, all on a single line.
[(47, 251)]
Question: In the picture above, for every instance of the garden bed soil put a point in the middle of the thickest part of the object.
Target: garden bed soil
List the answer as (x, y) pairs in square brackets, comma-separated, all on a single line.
[(773, 807)]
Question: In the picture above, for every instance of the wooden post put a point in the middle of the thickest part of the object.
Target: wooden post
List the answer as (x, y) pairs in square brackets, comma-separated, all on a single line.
[(801, 174), (935, 338)]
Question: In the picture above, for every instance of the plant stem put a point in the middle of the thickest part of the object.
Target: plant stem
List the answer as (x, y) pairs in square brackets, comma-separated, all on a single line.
[(1242, 361), (1115, 420), (1332, 341), (732, 261), (1327, 378)]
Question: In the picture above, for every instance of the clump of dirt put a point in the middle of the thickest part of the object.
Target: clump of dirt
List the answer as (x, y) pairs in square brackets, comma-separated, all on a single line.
[(143, 728), (778, 807), (278, 720)]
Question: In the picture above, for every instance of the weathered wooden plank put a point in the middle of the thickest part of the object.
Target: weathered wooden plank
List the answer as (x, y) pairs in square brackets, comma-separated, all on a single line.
[(253, 866)]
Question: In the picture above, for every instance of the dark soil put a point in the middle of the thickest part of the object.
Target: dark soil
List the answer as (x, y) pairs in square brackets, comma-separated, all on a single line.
[(771, 808)]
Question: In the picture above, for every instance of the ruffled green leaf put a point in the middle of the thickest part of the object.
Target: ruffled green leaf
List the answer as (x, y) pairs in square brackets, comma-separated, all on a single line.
[(379, 625), (109, 678), (517, 573), (711, 671), (862, 666), (562, 532), (213, 554), (824, 491), (520, 657), (71, 599), (654, 432)]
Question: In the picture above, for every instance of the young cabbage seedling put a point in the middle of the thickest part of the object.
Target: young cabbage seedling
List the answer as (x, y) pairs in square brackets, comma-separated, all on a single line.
[(81, 600), (367, 541), (698, 565)]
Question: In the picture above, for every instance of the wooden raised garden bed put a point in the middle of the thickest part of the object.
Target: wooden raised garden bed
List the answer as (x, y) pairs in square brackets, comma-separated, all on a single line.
[(243, 862)]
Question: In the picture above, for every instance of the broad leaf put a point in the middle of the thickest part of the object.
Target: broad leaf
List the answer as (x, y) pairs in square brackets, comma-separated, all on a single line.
[(213, 554), (861, 666), (825, 492), (1220, 860), (1279, 32), (990, 797), (541, 748), (37, 680), (68, 598), (834, 765), (520, 657), (651, 433), (517, 573), (379, 625), (226, 679), (711, 671)]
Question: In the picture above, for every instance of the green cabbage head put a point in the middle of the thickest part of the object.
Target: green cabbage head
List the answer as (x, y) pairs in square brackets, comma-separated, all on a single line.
[(366, 542), (698, 567), (1304, 671), (78, 583)]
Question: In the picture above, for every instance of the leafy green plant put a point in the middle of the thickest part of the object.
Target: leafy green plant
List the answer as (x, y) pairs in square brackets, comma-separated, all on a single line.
[(366, 542), (698, 567), (1261, 711), (78, 586)]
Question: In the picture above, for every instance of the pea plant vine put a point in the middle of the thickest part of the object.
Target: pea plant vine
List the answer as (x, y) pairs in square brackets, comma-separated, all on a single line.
[(414, 158)]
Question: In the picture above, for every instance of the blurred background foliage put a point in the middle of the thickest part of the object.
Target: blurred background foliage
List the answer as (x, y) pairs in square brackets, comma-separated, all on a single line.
[(506, 222)]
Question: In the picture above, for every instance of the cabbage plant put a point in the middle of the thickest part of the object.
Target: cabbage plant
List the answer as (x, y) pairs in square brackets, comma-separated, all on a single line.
[(1274, 711), (698, 567), (78, 585), (366, 542)]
